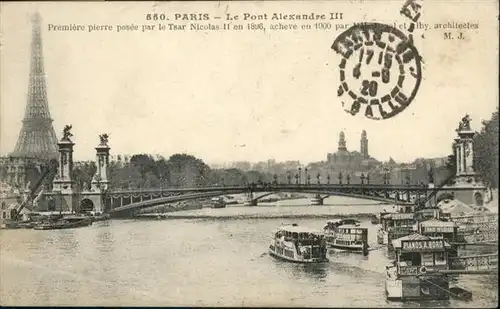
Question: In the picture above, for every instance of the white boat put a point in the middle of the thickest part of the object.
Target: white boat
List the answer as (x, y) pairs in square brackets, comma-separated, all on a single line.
[(299, 245), (346, 235), (218, 202), (316, 200)]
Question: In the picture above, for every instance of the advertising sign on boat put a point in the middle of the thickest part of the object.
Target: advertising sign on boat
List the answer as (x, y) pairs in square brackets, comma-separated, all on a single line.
[(403, 216), (438, 229), (408, 270), (418, 245)]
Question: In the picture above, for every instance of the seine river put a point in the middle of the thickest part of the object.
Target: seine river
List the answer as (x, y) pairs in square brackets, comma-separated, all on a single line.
[(198, 262)]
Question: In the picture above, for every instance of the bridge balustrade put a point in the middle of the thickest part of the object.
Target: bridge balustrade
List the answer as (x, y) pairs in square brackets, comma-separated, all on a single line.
[(379, 192), (477, 262)]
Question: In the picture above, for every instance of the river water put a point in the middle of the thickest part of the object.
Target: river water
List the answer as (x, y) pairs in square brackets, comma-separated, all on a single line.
[(219, 261)]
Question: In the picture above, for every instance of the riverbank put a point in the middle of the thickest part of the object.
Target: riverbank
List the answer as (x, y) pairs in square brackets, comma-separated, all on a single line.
[(270, 212)]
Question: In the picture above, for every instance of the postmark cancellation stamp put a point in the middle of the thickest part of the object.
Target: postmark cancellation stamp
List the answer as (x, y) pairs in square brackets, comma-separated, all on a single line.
[(380, 69)]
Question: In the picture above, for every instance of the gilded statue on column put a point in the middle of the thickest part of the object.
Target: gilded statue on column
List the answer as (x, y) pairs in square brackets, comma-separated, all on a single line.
[(464, 125)]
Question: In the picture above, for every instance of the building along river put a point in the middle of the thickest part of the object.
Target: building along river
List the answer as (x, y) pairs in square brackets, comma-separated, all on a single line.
[(219, 261)]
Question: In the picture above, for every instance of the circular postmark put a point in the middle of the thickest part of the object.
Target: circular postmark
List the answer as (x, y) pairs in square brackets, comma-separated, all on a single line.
[(380, 70)]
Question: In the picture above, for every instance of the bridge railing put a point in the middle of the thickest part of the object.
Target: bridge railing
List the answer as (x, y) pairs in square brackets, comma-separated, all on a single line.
[(475, 262), (301, 187)]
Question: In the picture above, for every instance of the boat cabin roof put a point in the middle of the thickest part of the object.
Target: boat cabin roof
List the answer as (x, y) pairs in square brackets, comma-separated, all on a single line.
[(437, 223), (399, 216), (351, 226), (428, 209), (343, 221), (299, 229), (417, 242)]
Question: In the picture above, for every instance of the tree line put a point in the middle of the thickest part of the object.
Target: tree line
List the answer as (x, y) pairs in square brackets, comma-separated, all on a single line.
[(486, 151), (178, 171), (184, 170)]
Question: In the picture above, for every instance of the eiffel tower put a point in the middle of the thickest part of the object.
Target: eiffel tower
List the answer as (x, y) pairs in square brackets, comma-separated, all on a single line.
[(37, 138)]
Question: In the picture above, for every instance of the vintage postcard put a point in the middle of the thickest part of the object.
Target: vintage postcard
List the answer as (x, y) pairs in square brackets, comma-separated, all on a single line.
[(249, 153)]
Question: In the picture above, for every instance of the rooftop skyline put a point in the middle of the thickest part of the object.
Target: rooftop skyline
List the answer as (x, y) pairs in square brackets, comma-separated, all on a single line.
[(267, 96)]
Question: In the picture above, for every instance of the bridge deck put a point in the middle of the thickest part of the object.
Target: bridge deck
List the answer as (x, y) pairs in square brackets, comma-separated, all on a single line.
[(298, 187), (137, 199)]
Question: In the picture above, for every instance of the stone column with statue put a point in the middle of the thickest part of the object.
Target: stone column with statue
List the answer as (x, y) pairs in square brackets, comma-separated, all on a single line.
[(464, 151), (100, 180), (466, 176), (63, 192), (63, 181)]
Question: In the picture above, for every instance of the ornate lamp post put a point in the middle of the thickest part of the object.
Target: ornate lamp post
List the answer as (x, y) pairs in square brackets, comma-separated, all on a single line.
[(367, 178), (300, 175), (275, 179), (297, 179), (328, 178), (306, 177), (362, 177), (318, 177), (348, 179), (340, 177), (289, 177)]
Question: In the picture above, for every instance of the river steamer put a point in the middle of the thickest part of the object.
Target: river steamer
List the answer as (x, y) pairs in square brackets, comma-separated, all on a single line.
[(316, 200), (346, 235), (418, 271), (218, 202), (299, 245), (395, 225), (439, 228)]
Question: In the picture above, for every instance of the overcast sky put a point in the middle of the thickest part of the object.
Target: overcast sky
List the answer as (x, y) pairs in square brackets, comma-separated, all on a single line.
[(228, 96)]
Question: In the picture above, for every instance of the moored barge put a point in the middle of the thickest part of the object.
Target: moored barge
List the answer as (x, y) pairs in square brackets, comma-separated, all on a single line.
[(64, 223), (415, 274)]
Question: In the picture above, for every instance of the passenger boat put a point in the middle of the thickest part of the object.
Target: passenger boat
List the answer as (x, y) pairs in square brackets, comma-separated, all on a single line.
[(298, 244), (316, 200), (427, 213), (419, 270), (346, 235), (439, 228), (395, 225), (218, 202), (64, 223)]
